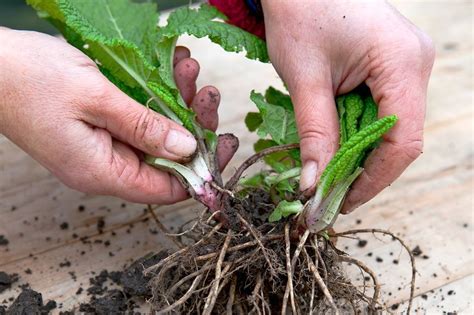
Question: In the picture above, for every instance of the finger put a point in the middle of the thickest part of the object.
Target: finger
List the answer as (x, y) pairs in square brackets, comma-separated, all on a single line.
[(186, 72), (142, 128), (135, 181), (227, 145), (205, 105), (401, 146), (317, 121), (180, 53)]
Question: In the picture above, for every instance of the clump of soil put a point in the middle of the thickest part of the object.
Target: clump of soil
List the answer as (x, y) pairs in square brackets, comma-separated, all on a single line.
[(132, 288), (3, 240), (133, 280), (6, 280), (30, 302)]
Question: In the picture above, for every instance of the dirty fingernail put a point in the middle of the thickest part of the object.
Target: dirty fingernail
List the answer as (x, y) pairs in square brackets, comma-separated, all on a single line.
[(308, 175), (180, 143), (350, 206)]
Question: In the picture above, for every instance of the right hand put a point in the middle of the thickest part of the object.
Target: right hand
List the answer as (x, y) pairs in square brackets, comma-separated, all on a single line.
[(326, 48), (57, 106)]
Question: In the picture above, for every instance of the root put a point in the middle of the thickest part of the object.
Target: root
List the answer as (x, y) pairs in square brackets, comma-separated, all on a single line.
[(231, 299), (259, 270), (184, 298), (163, 228), (259, 242), (412, 258), (211, 299), (289, 285), (181, 251), (362, 266), (320, 282)]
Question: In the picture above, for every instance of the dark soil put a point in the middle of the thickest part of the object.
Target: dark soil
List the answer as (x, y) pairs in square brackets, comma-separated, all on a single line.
[(3, 240), (30, 302), (131, 287), (6, 280), (133, 281)]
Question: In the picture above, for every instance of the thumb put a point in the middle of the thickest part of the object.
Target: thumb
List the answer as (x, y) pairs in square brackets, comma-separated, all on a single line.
[(142, 128), (318, 126)]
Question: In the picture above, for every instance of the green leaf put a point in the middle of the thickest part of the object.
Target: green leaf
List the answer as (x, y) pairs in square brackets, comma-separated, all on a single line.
[(118, 34), (341, 108), (370, 113), (277, 122), (211, 140), (185, 115), (354, 108), (331, 206), (255, 181), (278, 161), (273, 96), (350, 108), (253, 121), (285, 209), (340, 165), (202, 22), (165, 53), (47, 9)]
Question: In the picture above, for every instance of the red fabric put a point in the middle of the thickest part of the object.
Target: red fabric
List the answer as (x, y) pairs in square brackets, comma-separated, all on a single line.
[(240, 16)]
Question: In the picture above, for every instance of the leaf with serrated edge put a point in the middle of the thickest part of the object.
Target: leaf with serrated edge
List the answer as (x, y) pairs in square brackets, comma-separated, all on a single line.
[(202, 22)]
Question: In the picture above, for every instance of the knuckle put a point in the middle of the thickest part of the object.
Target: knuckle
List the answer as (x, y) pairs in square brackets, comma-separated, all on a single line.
[(95, 91), (413, 149), (146, 124), (314, 131)]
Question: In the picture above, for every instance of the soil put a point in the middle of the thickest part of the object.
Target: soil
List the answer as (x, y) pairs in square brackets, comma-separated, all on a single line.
[(30, 302), (3, 240), (6, 280)]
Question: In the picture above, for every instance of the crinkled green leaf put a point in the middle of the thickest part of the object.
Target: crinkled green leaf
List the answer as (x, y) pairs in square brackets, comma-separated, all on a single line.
[(165, 53), (285, 209), (357, 144), (350, 108), (185, 115), (370, 112), (119, 35), (341, 109), (277, 121), (354, 108), (202, 22), (253, 121)]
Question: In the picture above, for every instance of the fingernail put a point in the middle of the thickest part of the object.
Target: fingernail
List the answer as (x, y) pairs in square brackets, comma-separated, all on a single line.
[(308, 175), (180, 143), (350, 205)]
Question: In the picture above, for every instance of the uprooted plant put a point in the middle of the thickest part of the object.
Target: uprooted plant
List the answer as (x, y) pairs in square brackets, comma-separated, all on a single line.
[(260, 246)]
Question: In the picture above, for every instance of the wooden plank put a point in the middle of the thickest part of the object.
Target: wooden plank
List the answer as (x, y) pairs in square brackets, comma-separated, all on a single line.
[(428, 206), (454, 297)]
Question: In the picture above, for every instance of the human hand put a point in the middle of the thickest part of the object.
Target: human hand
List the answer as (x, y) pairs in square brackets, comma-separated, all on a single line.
[(326, 48), (57, 106)]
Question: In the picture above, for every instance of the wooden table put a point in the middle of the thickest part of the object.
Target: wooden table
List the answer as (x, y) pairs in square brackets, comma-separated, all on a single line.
[(429, 206)]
